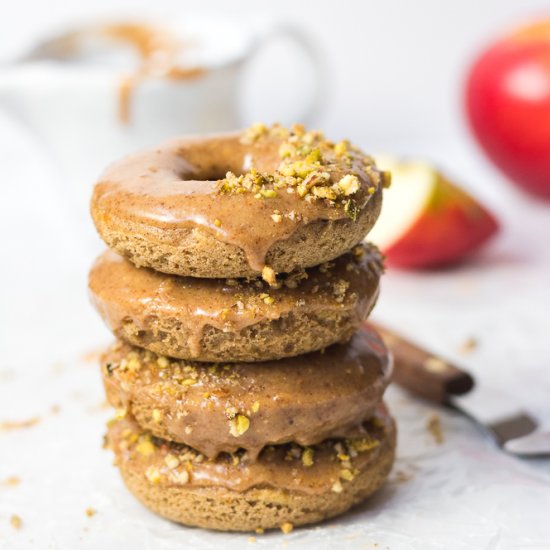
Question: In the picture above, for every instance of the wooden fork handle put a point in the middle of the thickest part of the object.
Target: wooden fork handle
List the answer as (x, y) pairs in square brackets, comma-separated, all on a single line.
[(423, 373)]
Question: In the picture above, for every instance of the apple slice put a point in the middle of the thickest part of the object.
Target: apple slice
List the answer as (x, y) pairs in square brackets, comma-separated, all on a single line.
[(426, 220)]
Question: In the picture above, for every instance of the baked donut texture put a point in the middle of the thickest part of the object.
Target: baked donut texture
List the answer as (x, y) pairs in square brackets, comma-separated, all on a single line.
[(287, 484), (219, 320), (222, 408), (227, 206)]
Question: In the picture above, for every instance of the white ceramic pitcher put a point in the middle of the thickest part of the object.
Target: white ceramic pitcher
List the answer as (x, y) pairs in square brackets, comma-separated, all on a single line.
[(73, 106)]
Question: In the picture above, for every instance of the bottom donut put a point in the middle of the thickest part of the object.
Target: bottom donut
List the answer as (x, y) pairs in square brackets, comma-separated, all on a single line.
[(288, 485)]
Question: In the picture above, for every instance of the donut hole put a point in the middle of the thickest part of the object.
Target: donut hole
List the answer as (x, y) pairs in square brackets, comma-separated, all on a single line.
[(210, 160), (215, 172)]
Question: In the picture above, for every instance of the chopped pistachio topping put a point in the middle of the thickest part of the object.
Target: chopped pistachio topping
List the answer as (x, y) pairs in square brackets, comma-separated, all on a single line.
[(339, 288), (172, 461), (351, 210), (145, 446), (337, 487), (255, 406), (377, 422), (341, 148), (239, 425), (294, 452), (307, 457), (153, 475), (268, 275), (180, 477), (252, 134), (349, 184), (310, 166), (163, 362), (346, 474), (231, 412), (364, 444)]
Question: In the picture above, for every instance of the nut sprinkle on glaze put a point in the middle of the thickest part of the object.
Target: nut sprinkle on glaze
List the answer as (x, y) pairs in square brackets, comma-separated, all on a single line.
[(312, 167)]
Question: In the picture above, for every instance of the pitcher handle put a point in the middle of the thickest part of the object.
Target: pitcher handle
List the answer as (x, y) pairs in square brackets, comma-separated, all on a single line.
[(305, 43)]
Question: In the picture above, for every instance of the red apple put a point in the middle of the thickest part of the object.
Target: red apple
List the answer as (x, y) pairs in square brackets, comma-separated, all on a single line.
[(508, 105), (426, 221)]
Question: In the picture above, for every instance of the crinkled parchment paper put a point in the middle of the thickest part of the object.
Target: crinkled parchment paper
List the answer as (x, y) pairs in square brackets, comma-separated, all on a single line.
[(458, 493)]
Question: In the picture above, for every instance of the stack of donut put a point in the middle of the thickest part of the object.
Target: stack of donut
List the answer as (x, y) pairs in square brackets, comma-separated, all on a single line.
[(248, 390)]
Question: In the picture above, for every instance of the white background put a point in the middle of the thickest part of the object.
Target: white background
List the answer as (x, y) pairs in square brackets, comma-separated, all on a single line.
[(395, 68), (395, 72)]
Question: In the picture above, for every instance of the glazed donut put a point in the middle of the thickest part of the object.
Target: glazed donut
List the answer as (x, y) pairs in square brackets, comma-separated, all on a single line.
[(218, 408), (265, 200), (219, 320), (287, 486)]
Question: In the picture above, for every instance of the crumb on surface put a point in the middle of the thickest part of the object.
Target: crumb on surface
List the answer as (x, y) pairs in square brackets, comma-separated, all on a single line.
[(92, 356), (58, 368), (8, 425), (468, 346), (15, 521), (401, 476), (90, 512), (287, 527), (11, 481), (433, 425)]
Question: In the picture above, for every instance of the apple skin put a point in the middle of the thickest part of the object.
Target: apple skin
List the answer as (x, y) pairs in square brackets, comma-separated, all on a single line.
[(451, 226), (508, 106)]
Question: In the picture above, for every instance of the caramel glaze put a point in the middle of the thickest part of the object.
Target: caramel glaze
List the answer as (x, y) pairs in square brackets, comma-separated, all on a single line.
[(174, 187), (122, 292), (333, 462), (303, 399)]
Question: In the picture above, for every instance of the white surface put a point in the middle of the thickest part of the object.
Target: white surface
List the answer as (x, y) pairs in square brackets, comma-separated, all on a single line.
[(463, 494), (395, 69)]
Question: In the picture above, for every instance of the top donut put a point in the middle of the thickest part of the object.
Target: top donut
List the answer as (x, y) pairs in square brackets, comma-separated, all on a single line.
[(265, 200)]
